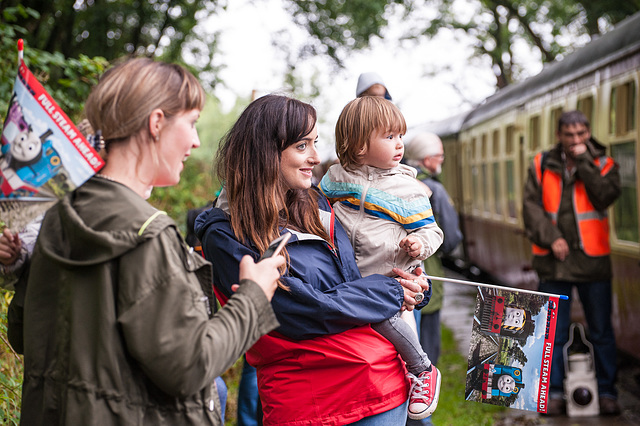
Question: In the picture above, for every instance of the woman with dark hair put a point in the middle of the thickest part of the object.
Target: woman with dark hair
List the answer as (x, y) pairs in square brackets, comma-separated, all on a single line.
[(324, 364)]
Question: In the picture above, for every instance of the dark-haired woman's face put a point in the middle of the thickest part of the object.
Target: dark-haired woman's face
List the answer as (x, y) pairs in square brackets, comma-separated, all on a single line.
[(297, 161)]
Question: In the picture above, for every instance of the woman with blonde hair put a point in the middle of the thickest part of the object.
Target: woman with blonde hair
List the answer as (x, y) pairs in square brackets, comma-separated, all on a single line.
[(118, 324), (324, 364)]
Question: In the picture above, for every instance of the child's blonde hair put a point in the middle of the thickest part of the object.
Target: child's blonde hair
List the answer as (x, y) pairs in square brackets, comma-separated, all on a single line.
[(358, 120)]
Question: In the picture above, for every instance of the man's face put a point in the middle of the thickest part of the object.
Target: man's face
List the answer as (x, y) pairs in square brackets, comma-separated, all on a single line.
[(433, 163), (573, 138)]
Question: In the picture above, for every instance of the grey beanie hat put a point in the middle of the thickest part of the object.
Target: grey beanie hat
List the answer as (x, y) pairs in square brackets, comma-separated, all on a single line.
[(368, 79)]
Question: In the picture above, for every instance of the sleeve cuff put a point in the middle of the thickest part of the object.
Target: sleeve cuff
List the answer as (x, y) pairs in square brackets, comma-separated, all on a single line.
[(254, 293)]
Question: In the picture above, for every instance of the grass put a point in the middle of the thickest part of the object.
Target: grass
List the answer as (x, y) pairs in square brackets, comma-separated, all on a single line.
[(453, 409), (11, 368)]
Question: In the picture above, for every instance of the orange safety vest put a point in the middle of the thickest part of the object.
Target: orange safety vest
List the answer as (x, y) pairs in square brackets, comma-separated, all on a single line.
[(593, 225)]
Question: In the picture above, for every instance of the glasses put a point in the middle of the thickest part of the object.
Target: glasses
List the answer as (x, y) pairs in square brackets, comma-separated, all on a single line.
[(441, 156)]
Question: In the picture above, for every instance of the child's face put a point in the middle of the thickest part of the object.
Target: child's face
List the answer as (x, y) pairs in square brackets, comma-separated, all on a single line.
[(385, 149)]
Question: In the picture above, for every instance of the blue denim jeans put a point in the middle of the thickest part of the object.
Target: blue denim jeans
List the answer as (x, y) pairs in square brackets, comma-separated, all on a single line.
[(394, 417), (248, 399), (596, 301), (222, 394), (429, 333)]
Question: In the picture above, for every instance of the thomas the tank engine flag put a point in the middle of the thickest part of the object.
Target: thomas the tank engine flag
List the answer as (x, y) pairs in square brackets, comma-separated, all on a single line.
[(43, 155), (511, 346)]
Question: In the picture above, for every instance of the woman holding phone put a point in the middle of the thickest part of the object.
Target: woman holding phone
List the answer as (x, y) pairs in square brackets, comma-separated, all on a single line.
[(118, 328), (324, 364)]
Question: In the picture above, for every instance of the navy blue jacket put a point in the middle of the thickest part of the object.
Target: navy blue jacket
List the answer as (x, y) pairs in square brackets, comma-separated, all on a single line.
[(327, 294)]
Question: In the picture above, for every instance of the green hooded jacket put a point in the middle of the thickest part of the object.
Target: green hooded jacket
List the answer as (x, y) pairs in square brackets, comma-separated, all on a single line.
[(118, 327)]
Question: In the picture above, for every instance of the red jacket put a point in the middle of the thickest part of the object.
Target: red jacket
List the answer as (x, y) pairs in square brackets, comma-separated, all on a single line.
[(330, 380), (331, 368)]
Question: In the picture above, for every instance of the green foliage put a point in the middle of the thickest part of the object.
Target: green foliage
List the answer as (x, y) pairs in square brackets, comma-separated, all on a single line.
[(553, 27), (11, 370), (111, 29), (68, 80), (337, 26), (197, 187), (213, 125)]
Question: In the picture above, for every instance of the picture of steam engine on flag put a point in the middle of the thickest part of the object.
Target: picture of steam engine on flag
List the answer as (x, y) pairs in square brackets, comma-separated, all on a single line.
[(43, 155), (28, 160), (511, 346)]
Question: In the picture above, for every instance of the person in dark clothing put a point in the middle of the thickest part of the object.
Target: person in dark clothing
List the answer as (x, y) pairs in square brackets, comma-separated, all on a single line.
[(568, 191)]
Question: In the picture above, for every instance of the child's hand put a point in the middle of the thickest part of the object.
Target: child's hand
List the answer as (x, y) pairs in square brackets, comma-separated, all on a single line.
[(412, 245), (10, 246)]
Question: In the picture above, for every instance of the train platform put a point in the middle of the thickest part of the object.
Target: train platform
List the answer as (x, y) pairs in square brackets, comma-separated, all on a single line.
[(457, 313)]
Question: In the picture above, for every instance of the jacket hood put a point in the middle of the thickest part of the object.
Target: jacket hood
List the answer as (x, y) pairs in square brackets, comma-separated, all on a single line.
[(208, 218), (98, 222)]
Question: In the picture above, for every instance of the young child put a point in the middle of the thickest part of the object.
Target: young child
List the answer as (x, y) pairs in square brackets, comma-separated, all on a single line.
[(387, 214)]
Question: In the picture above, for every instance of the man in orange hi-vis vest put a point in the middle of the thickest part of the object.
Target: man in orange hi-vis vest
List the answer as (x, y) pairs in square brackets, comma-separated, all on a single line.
[(566, 197)]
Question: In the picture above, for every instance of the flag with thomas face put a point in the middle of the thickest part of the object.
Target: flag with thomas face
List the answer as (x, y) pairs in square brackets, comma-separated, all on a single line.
[(511, 347), (42, 153)]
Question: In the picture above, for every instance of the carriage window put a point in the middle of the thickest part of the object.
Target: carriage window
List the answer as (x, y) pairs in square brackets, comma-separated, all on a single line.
[(483, 150), (625, 209), (485, 188), (585, 106), (496, 143), (497, 190), (534, 133), (477, 192), (622, 114), (511, 131), (553, 125), (511, 190)]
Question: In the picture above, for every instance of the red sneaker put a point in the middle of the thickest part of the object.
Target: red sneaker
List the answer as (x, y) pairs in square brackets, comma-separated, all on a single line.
[(425, 391)]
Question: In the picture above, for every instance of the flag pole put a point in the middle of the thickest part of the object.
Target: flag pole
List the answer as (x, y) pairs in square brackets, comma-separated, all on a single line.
[(499, 287), (20, 51)]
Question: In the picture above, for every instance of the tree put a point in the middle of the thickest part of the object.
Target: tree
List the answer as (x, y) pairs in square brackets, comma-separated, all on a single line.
[(68, 80), (65, 38), (548, 28), (112, 28), (338, 27), (499, 25)]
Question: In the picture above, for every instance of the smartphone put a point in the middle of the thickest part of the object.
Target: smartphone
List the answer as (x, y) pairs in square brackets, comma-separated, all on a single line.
[(275, 247)]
